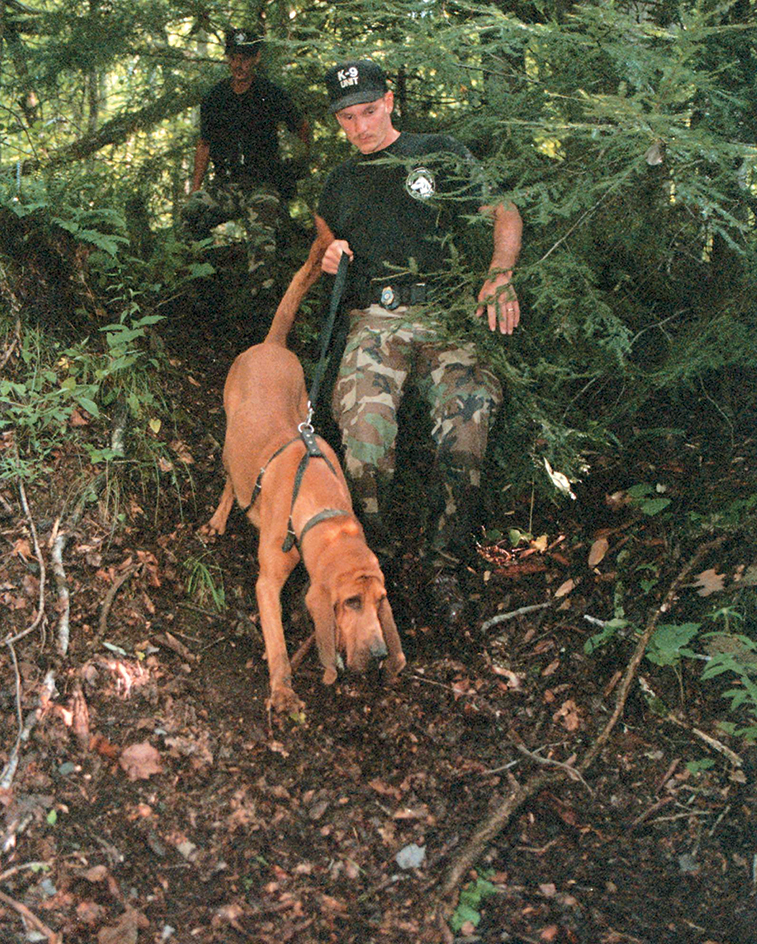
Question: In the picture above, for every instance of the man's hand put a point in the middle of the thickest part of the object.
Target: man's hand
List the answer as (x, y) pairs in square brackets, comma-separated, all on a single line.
[(498, 299), (330, 261)]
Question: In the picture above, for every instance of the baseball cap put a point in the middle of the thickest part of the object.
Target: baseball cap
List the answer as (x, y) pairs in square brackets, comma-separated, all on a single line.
[(354, 82), (242, 40)]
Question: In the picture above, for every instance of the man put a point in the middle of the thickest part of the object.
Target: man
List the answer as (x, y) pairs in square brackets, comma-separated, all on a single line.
[(239, 120), (391, 209)]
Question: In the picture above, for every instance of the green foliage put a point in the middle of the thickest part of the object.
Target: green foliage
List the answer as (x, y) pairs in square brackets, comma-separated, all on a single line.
[(626, 138), (205, 582), (469, 904)]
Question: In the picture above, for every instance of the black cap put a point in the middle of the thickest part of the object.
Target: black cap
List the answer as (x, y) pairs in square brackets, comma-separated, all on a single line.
[(243, 40), (355, 82)]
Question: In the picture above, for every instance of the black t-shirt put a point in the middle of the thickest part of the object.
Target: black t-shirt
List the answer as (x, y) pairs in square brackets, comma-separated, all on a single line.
[(242, 129), (402, 203)]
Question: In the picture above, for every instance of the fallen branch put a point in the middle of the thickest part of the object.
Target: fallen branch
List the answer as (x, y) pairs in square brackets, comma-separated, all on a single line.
[(111, 595), (30, 918), (521, 611), (708, 739), (58, 545), (302, 652), (39, 616), (48, 687), (501, 816)]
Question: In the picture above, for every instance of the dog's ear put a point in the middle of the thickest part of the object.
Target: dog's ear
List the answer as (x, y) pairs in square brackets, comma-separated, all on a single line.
[(322, 613), (396, 660)]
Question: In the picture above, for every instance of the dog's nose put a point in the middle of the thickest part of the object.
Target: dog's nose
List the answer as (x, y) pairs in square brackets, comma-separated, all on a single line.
[(378, 649)]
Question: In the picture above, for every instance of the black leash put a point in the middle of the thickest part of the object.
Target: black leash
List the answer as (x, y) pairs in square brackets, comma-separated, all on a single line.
[(328, 326)]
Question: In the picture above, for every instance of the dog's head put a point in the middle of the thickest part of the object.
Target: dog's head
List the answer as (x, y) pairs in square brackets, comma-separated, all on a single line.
[(353, 618)]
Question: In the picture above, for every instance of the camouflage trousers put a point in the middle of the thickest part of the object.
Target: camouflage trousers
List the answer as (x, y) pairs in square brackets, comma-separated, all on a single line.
[(385, 352), (257, 208)]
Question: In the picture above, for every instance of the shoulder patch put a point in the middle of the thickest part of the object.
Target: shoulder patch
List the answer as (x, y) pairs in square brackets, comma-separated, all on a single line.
[(420, 183)]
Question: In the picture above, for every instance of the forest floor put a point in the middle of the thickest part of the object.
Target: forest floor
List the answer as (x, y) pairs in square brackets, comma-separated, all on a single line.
[(156, 799)]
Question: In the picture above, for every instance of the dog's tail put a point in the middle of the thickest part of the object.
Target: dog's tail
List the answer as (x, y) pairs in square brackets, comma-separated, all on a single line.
[(302, 281)]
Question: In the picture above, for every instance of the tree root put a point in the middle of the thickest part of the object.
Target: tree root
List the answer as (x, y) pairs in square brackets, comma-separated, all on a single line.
[(501, 816)]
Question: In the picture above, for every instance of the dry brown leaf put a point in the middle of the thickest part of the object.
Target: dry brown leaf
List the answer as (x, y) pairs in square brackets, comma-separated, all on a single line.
[(540, 543), (598, 550), (78, 418), (564, 589), (140, 761), (568, 715), (709, 581), (23, 549), (126, 929)]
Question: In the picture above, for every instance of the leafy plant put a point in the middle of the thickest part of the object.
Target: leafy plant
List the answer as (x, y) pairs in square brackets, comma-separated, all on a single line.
[(469, 903), (205, 582), (648, 498)]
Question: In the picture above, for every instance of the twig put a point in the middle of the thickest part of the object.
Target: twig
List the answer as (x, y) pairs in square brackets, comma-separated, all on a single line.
[(500, 817), (111, 595), (4, 876), (641, 648), (59, 541), (39, 617), (568, 769), (52, 936), (708, 739), (521, 611), (302, 652), (48, 687)]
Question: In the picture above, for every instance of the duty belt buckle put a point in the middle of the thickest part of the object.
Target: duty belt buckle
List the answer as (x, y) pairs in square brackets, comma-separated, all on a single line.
[(389, 298)]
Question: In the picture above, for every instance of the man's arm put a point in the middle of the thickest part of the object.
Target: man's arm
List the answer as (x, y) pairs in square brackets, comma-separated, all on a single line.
[(497, 296), (202, 159)]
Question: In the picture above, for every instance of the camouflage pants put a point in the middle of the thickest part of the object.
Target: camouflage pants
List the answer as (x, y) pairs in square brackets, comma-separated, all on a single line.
[(257, 209), (384, 351)]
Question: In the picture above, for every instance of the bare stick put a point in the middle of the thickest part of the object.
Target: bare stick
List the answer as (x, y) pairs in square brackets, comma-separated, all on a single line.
[(111, 595), (302, 652), (38, 553), (60, 539), (521, 611), (48, 687), (52, 936)]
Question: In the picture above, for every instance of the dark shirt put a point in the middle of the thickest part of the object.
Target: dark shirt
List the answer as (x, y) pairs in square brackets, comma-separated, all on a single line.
[(242, 130), (401, 204)]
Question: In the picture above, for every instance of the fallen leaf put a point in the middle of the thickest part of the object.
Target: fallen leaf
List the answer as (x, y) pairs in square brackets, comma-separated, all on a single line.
[(182, 451), (551, 668), (598, 550), (709, 581), (88, 912), (568, 715), (540, 543), (77, 418), (141, 761), (564, 589), (23, 549), (126, 929)]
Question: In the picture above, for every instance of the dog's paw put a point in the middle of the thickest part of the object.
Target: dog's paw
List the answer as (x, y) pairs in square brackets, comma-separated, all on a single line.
[(284, 701), (210, 530)]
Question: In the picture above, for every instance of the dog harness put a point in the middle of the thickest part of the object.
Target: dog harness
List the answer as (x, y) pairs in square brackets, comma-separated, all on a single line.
[(312, 451)]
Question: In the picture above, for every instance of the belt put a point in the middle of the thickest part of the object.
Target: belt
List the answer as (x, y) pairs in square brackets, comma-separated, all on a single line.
[(393, 294)]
